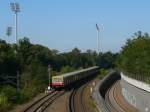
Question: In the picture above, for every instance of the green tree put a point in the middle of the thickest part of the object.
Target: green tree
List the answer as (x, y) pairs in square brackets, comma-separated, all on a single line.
[(134, 57)]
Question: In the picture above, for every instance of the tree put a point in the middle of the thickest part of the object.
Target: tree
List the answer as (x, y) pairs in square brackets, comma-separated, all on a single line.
[(134, 57), (107, 60)]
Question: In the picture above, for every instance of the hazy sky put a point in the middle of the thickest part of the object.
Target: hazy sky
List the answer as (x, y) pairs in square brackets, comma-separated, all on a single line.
[(65, 24)]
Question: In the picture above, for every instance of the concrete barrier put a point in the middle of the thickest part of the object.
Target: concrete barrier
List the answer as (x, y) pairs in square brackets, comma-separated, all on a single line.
[(136, 93), (108, 81), (101, 89)]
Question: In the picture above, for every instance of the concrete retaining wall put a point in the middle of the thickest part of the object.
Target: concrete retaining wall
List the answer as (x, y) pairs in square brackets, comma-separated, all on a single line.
[(101, 89), (136, 93)]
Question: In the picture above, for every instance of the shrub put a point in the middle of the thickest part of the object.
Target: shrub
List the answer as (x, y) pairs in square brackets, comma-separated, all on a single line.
[(10, 93), (66, 69), (4, 104)]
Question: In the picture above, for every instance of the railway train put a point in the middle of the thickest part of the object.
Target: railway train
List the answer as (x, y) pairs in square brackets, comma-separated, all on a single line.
[(68, 78)]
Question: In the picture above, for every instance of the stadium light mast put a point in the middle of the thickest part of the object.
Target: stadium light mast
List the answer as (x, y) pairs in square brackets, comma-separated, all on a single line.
[(98, 43), (16, 9)]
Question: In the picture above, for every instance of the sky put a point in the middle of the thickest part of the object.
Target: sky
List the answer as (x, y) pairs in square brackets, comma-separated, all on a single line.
[(66, 24)]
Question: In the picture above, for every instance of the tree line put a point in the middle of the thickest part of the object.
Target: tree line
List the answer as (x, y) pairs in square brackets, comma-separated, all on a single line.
[(32, 60), (134, 58)]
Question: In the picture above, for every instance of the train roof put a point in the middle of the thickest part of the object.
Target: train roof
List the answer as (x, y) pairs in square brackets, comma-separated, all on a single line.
[(76, 72)]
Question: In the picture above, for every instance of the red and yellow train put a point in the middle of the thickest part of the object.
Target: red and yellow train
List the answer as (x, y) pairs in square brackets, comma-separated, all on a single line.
[(68, 78)]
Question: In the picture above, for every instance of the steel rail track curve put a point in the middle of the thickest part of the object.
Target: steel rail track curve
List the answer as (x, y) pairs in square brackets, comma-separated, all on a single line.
[(72, 103), (37, 101), (41, 104), (72, 100), (115, 102)]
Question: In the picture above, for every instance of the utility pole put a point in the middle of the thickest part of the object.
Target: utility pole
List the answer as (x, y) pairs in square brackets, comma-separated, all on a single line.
[(16, 9), (98, 39), (49, 77)]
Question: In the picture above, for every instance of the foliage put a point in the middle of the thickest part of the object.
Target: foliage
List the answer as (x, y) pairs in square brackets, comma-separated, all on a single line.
[(10, 92), (103, 72), (107, 60), (66, 69), (134, 57), (4, 104), (8, 63)]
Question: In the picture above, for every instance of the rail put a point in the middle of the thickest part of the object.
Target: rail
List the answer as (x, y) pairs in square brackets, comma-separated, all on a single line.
[(115, 100), (76, 99), (138, 76), (41, 104)]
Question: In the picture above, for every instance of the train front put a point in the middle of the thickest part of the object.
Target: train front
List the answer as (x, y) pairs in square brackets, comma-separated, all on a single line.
[(57, 82)]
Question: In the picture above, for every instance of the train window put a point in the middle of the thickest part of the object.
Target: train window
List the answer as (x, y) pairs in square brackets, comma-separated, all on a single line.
[(58, 79)]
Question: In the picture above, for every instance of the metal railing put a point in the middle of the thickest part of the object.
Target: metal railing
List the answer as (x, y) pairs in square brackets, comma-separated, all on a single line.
[(139, 76)]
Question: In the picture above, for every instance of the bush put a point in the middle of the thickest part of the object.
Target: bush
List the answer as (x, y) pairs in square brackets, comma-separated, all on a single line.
[(4, 104), (103, 72), (66, 69), (30, 91), (26, 94), (10, 93)]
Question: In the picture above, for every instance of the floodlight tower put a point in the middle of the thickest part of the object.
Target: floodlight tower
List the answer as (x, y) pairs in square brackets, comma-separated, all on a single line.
[(98, 43), (16, 9)]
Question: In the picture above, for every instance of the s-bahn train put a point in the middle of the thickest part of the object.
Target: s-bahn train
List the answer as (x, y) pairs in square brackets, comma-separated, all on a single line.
[(68, 78)]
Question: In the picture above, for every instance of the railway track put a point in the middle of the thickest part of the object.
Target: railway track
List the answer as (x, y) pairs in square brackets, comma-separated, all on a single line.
[(41, 104), (72, 100), (76, 101), (115, 101)]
